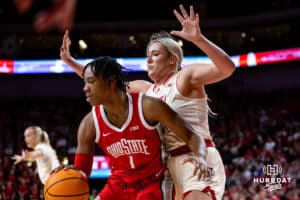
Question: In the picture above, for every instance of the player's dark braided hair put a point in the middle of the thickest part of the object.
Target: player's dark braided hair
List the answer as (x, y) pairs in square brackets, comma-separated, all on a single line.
[(107, 68)]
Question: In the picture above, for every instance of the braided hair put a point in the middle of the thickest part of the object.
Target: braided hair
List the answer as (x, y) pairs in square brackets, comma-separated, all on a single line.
[(107, 68)]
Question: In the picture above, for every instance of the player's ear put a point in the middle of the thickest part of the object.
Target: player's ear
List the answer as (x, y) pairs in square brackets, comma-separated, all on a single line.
[(173, 60)]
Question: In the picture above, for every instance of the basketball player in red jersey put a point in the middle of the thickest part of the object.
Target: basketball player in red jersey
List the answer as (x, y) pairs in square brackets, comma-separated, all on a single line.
[(124, 126), (183, 89)]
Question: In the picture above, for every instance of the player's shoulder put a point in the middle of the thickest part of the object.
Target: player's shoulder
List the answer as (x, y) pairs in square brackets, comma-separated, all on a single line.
[(151, 103), (139, 86)]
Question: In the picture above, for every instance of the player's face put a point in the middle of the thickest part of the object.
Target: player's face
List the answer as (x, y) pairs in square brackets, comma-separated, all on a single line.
[(159, 62), (97, 90), (31, 139)]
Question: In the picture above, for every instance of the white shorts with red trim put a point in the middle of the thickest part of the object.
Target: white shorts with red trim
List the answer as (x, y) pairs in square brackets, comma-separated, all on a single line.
[(185, 181)]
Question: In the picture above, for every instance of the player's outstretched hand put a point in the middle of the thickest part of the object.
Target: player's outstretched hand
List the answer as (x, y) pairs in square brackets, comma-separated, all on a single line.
[(65, 54), (17, 158), (190, 24)]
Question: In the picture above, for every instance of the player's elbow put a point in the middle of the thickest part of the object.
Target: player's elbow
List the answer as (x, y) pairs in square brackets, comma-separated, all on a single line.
[(228, 71)]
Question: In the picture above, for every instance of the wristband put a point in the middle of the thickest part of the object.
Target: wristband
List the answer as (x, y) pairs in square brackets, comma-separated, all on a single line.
[(84, 162)]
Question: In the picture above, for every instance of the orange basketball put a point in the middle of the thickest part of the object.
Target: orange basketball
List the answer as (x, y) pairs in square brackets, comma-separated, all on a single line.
[(67, 184)]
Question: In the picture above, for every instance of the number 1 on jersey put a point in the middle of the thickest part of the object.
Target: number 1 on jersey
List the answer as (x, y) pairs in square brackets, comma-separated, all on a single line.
[(131, 162)]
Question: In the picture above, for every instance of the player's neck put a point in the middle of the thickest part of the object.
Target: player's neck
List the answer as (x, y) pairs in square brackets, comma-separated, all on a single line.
[(117, 111), (165, 78)]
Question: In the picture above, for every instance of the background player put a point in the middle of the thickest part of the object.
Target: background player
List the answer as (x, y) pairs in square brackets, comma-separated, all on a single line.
[(43, 153)]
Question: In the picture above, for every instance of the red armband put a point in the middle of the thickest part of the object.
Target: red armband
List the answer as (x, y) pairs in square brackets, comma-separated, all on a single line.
[(84, 162)]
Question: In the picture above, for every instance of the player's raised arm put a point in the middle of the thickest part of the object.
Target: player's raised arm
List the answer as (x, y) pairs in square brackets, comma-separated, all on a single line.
[(201, 74), (66, 56)]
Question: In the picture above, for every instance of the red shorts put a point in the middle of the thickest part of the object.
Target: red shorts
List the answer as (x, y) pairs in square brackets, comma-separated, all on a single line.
[(146, 189)]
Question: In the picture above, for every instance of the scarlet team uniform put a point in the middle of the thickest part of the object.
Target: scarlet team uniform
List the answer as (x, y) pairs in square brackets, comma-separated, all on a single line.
[(195, 112), (135, 154)]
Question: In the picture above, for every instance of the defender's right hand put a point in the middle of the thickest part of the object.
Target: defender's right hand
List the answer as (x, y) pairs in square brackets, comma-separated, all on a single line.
[(65, 54)]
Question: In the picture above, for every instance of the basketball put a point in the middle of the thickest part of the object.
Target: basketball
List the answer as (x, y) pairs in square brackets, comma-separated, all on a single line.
[(67, 184)]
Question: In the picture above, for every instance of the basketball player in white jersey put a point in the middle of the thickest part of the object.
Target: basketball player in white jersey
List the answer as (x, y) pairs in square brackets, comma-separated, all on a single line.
[(43, 153), (184, 90)]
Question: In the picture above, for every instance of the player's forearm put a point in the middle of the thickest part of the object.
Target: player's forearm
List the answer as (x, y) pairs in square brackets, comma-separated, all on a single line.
[(197, 145), (76, 66), (29, 159), (21, 158), (217, 55), (33, 155)]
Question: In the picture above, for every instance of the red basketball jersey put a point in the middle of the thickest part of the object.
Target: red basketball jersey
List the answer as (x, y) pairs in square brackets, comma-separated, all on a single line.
[(135, 148)]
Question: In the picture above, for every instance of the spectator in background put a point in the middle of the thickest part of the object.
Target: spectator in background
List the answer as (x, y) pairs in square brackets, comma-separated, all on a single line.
[(183, 90), (9, 191), (43, 153)]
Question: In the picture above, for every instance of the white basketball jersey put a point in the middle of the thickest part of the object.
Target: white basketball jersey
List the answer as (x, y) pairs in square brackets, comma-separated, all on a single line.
[(47, 162), (194, 111)]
